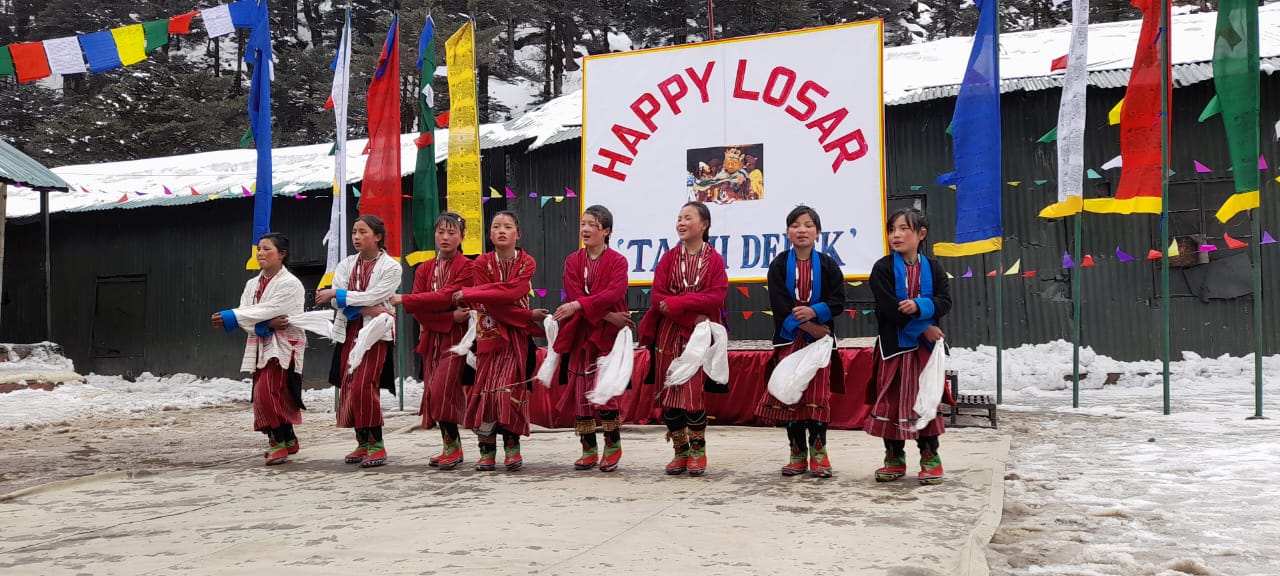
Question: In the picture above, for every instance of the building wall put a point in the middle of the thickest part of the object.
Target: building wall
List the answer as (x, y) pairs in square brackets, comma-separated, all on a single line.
[(192, 257)]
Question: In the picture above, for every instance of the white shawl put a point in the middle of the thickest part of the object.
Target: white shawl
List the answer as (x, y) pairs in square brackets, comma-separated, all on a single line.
[(283, 296), (383, 283)]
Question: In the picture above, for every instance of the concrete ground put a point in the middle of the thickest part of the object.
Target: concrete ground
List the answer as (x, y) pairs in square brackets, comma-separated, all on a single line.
[(316, 515)]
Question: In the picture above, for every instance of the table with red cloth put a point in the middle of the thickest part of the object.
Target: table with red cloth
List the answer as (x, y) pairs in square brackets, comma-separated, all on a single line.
[(746, 383)]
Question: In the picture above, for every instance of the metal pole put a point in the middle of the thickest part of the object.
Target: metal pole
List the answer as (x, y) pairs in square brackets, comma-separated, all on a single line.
[(1000, 325), (711, 19), (4, 202), (1164, 196), (48, 275), (1256, 217), (1077, 291)]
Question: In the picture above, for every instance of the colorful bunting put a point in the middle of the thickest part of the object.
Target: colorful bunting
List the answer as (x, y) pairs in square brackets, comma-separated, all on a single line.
[(1266, 238), (542, 292), (991, 274), (746, 314), (1173, 248), (123, 198), (746, 292), (1232, 243), (131, 43), (1067, 262), (1059, 63), (1113, 163), (193, 191), (1013, 270), (1262, 162), (1113, 117), (1153, 254), (493, 192), (1015, 183), (1029, 274), (866, 312), (563, 294), (156, 33), (1235, 77), (6, 62), (1050, 136), (29, 61), (217, 21), (1093, 175), (768, 312), (645, 291), (1213, 108), (1088, 261), (167, 191), (510, 194), (100, 49), (181, 24), (1201, 168), (916, 188), (968, 272), (1122, 256), (533, 194), (1208, 248), (545, 199), (559, 199), (1041, 182), (568, 193)]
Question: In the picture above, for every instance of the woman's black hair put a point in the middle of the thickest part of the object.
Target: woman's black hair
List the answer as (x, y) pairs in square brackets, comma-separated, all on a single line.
[(451, 219), (915, 219), (281, 242), (379, 229), (508, 214), (704, 213), (604, 217), (801, 210)]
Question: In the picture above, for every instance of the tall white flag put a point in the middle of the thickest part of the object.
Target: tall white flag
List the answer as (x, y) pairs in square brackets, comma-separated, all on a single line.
[(336, 239), (1071, 115)]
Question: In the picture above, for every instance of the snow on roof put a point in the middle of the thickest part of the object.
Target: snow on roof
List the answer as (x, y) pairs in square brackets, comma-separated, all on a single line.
[(912, 73)]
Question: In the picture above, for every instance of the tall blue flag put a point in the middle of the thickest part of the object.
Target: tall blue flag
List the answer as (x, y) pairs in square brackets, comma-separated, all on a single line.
[(258, 53), (976, 139)]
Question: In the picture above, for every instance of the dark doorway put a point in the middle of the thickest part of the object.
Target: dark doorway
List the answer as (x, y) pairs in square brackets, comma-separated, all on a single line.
[(119, 324)]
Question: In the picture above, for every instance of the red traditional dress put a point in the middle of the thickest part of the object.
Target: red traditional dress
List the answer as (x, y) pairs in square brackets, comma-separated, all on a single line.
[(815, 403), (500, 293), (273, 404), (359, 405), (444, 399)]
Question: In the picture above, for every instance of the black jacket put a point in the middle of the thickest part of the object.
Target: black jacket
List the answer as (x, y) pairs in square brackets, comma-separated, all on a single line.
[(781, 300), (888, 318)]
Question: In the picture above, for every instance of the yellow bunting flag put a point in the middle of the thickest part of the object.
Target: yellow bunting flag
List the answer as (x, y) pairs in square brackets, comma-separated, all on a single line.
[(1173, 249), (131, 43), (1013, 270), (493, 193), (1113, 117), (950, 276)]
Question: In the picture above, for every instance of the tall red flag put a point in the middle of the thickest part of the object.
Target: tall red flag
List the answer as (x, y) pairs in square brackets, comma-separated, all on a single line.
[(1140, 139), (380, 192)]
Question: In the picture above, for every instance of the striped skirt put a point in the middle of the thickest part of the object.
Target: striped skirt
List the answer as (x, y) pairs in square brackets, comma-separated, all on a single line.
[(814, 404), (499, 394), (893, 417), (582, 380), (360, 406), (687, 396), (273, 405), (443, 397)]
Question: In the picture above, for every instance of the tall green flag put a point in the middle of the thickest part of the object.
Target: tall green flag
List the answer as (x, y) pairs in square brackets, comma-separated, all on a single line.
[(426, 197), (1235, 76)]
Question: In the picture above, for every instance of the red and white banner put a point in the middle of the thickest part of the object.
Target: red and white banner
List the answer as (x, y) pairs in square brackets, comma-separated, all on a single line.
[(752, 127)]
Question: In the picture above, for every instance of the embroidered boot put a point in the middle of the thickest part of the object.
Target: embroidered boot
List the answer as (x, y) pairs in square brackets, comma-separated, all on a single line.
[(586, 430), (697, 452), (511, 450), (895, 467), (434, 461), (819, 466), (797, 465), (452, 455), (930, 468), (377, 455), (680, 442), (488, 454), (277, 452), (362, 449), (612, 446)]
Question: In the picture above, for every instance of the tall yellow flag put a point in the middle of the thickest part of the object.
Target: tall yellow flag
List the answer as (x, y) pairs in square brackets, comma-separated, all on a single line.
[(463, 175)]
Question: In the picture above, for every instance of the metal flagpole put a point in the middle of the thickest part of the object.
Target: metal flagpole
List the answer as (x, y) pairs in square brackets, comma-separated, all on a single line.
[(1164, 195), (1256, 217), (1077, 291)]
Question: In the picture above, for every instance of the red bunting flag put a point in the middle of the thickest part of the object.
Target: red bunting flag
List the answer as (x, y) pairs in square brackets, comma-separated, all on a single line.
[(1059, 63), (1088, 261), (123, 198), (1153, 254), (442, 119), (30, 61), (991, 274), (1232, 243), (193, 191), (182, 24), (746, 292), (1029, 274), (746, 314), (425, 139)]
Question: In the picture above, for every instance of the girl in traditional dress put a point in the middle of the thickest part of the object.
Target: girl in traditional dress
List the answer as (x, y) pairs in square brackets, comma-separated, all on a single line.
[(689, 286), (362, 289), (595, 309), (498, 403), (444, 400), (911, 294), (806, 294), (275, 349)]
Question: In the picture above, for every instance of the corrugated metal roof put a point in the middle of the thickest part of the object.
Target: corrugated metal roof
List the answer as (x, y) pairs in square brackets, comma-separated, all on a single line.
[(18, 168), (1183, 75)]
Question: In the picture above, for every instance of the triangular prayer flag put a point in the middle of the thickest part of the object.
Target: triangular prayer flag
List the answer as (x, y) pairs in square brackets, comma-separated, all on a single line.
[(245, 191), (916, 187), (1059, 63), (1266, 238), (1093, 174), (167, 191), (1262, 162), (493, 192), (1049, 136), (1113, 117), (1173, 248), (86, 190), (545, 199), (247, 140), (968, 272), (746, 314), (866, 312), (953, 186), (1201, 168), (559, 199), (949, 275), (1153, 254), (746, 292), (948, 131), (1122, 256), (1208, 248), (29, 61), (123, 198), (533, 194), (857, 283), (1172, 173), (542, 292), (1041, 182), (563, 294), (442, 119), (645, 291), (1113, 163), (1232, 243), (568, 193), (991, 274), (510, 194), (157, 34), (140, 193), (484, 199), (181, 24), (193, 191), (1067, 262), (425, 139), (1029, 274), (213, 196), (131, 43), (1213, 108), (768, 312), (6, 62), (1015, 183), (1013, 270)]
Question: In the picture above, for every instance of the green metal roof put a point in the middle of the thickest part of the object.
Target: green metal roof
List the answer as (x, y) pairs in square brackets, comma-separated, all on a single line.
[(18, 168)]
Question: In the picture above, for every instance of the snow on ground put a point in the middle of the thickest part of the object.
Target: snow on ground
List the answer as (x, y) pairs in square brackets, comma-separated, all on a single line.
[(41, 365)]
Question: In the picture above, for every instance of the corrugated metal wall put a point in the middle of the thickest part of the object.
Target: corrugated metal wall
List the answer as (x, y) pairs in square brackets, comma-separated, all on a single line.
[(192, 255)]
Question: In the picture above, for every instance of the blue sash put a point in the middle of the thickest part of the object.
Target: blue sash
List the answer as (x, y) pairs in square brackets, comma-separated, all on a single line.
[(909, 336)]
